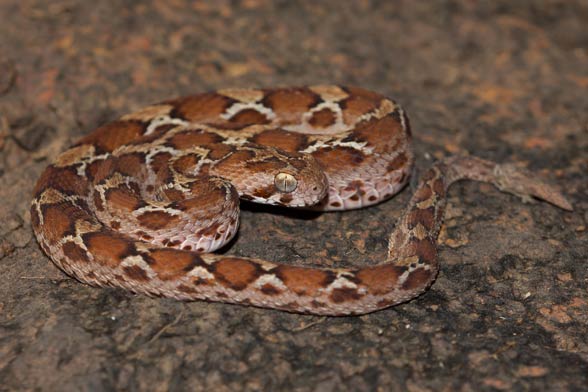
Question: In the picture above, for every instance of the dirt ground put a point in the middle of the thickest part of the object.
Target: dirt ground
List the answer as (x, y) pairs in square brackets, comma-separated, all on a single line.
[(503, 80)]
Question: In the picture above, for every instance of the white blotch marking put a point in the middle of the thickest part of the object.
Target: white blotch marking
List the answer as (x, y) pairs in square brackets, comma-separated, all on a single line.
[(154, 208), (360, 146), (402, 117), (236, 108), (341, 283), (236, 140), (163, 120), (200, 272), (269, 279), (81, 169), (158, 150)]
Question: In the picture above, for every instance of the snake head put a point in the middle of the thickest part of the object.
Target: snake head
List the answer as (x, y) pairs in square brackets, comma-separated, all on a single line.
[(275, 177), (300, 184)]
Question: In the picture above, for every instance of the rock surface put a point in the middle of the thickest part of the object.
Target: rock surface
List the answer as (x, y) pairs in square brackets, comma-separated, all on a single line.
[(503, 80)]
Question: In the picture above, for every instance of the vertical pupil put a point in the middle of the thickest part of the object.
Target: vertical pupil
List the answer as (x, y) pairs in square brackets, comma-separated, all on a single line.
[(285, 182)]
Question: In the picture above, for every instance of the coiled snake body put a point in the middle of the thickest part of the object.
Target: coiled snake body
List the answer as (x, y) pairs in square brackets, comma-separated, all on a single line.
[(142, 202)]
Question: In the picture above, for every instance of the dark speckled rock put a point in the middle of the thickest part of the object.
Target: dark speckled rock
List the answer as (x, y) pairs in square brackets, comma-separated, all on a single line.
[(503, 80)]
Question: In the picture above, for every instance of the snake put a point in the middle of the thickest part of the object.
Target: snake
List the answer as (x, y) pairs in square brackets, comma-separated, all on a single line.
[(143, 202)]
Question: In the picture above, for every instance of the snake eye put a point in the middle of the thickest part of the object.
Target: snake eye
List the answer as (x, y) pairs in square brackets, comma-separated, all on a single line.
[(285, 182)]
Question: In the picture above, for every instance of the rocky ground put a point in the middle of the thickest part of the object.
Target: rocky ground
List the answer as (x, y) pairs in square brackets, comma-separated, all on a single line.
[(503, 80)]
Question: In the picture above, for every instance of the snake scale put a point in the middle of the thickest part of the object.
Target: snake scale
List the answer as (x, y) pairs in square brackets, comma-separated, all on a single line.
[(142, 202)]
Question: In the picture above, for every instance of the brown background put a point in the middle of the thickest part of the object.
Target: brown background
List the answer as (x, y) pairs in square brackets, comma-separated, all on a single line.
[(505, 80)]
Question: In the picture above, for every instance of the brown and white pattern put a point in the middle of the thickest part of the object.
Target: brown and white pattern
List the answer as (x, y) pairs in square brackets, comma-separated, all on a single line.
[(141, 202)]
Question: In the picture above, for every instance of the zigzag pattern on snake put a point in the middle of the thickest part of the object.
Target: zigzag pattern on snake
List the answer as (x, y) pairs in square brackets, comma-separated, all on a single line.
[(141, 203)]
